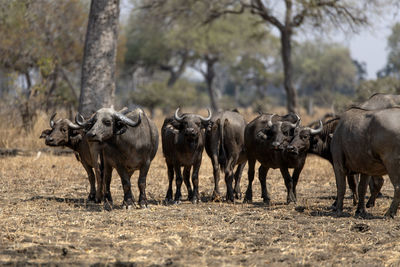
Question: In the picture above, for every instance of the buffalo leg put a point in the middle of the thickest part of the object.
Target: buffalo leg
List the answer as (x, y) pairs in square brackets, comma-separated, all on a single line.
[(362, 190), (99, 177), (142, 184), (352, 181), (186, 180), (178, 181), (229, 180), (195, 181), (107, 182), (341, 189), (126, 185), (216, 196), (289, 185), (262, 176), (249, 192), (168, 197), (295, 178), (395, 179), (92, 182), (238, 176), (377, 182), (108, 202)]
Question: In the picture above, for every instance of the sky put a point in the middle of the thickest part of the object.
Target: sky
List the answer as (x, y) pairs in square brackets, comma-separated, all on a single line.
[(369, 45)]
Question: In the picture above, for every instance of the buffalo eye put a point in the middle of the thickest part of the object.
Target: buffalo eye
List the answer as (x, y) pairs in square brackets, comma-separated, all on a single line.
[(63, 130), (107, 122)]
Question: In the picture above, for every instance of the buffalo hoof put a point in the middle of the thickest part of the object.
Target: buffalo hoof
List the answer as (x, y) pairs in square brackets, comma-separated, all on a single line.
[(339, 213), (128, 204), (230, 200), (91, 198), (247, 200), (370, 203), (168, 201), (238, 195), (108, 205), (267, 202), (143, 205), (379, 195), (362, 213), (195, 200), (389, 214), (177, 202), (190, 195)]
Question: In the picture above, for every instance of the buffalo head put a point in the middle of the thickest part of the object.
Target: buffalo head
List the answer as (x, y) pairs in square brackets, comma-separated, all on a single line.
[(278, 134), (106, 123), (302, 139), (60, 133), (190, 125)]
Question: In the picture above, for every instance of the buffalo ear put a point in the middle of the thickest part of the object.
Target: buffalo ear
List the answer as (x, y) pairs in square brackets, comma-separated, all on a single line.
[(120, 128), (45, 133)]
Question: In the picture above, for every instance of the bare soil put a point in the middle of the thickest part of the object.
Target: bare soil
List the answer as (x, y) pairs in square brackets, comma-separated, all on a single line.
[(44, 219)]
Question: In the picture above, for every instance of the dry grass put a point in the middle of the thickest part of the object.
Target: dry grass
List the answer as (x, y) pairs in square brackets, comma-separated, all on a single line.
[(44, 219)]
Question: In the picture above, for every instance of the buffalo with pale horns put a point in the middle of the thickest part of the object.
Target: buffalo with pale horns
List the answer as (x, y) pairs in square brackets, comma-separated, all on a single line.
[(182, 138), (266, 139), (127, 143)]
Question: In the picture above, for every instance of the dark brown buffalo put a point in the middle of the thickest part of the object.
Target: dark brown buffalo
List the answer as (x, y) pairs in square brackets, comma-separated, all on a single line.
[(225, 147), (367, 142), (128, 143), (63, 132), (266, 138), (183, 143), (319, 144)]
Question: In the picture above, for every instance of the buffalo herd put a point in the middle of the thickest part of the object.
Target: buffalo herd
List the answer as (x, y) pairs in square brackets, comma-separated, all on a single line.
[(360, 142)]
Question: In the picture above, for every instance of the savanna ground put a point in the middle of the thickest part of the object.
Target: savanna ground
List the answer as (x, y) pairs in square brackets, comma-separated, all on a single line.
[(44, 219)]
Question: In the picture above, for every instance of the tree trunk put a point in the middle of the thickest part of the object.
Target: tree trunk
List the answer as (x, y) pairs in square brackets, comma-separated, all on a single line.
[(99, 59), (291, 95), (209, 76)]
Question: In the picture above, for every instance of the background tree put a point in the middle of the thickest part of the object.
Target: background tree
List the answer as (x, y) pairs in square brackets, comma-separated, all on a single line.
[(288, 16), (41, 46), (99, 59)]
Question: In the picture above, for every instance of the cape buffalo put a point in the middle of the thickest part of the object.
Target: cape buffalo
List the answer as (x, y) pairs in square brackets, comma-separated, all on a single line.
[(128, 143), (381, 101), (319, 144), (182, 143), (367, 142), (63, 132), (225, 147), (266, 138)]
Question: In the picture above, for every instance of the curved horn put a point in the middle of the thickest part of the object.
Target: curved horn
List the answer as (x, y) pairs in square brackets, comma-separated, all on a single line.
[(269, 123), (80, 120), (315, 131), (52, 120), (128, 121), (208, 118), (73, 125), (176, 115)]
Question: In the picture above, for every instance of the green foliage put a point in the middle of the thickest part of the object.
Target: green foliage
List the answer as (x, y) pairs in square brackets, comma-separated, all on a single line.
[(324, 68), (157, 94)]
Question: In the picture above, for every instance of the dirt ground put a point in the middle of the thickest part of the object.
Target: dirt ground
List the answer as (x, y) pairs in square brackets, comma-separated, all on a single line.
[(44, 219)]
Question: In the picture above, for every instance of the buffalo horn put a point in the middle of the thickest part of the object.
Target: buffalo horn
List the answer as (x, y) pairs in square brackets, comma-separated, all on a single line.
[(52, 120), (269, 123), (208, 118), (80, 120), (73, 125), (176, 116), (315, 131), (128, 121)]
